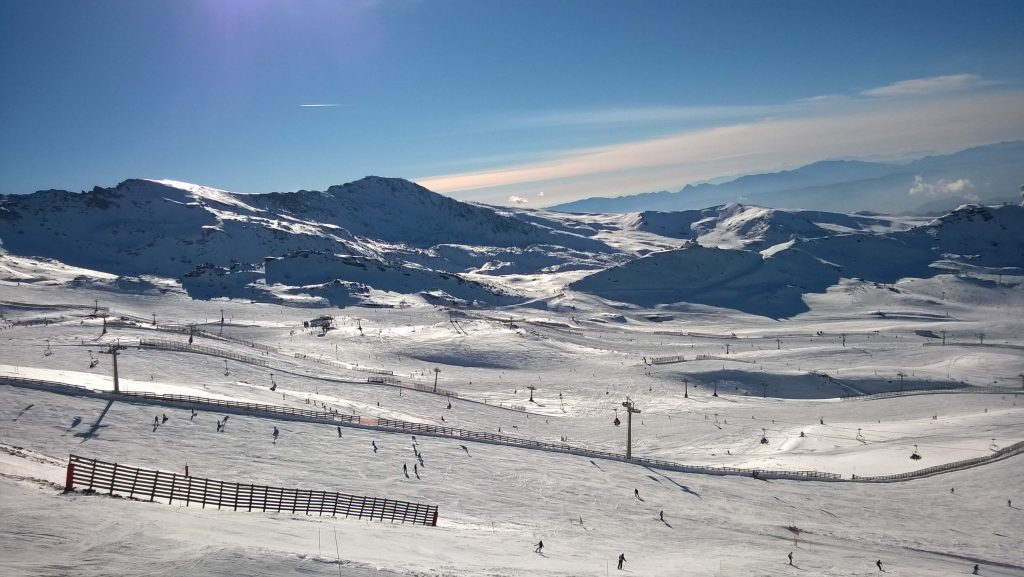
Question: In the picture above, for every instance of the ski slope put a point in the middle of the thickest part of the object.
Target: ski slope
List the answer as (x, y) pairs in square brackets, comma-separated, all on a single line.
[(583, 356)]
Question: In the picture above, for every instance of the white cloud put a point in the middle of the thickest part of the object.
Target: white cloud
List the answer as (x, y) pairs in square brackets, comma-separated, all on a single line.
[(943, 188), (518, 199), (640, 115), (541, 194), (926, 86)]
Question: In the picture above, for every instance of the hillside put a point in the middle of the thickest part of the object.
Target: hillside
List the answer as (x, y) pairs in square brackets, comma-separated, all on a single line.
[(183, 231), (801, 253)]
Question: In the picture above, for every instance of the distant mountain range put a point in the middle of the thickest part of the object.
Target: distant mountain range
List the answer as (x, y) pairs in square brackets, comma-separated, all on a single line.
[(932, 185)]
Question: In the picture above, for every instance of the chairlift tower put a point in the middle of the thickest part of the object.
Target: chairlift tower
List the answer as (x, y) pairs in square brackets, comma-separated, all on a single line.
[(630, 409), (532, 389), (112, 351)]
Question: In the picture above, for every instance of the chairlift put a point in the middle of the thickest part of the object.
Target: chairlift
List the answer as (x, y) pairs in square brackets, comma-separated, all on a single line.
[(617, 422), (48, 350), (764, 437), (915, 455)]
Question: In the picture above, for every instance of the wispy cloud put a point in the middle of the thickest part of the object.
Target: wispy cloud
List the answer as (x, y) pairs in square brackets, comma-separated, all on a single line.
[(518, 199), (845, 128), (639, 115), (928, 86)]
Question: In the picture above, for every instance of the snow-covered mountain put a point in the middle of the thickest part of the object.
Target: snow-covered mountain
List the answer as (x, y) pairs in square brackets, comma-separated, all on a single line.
[(381, 240), (217, 242), (934, 184), (763, 261)]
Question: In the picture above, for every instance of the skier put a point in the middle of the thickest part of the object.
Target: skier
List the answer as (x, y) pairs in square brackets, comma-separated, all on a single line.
[(276, 433), (661, 515), (165, 419), (339, 431), (374, 443), (622, 559), (975, 569), (405, 469), (790, 557), (194, 413), (156, 422), (540, 546), (636, 493), (879, 563), (952, 490), (220, 427)]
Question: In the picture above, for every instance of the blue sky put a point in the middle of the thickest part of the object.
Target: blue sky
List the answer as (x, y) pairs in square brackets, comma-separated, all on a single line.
[(496, 101)]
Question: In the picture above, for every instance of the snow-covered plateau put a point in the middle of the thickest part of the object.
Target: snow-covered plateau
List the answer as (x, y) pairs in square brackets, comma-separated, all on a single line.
[(786, 366)]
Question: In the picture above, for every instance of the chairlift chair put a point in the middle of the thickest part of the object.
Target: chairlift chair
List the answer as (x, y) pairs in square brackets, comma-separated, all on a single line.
[(915, 455)]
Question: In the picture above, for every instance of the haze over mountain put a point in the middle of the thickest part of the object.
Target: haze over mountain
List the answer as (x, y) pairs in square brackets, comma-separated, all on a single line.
[(932, 185)]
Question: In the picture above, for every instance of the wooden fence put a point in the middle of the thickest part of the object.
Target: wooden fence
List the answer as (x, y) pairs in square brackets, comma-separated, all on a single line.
[(721, 358), (241, 407), (450, 432), (936, 391), (956, 465), (345, 366), (103, 477), (386, 377), (666, 360), (420, 428), (179, 346)]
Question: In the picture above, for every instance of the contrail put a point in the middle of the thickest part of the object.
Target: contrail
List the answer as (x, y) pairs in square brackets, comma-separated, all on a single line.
[(319, 105)]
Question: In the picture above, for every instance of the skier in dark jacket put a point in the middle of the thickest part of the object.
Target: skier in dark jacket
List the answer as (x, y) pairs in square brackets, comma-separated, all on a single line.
[(790, 557), (276, 433), (879, 563), (540, 546), (622, 559)]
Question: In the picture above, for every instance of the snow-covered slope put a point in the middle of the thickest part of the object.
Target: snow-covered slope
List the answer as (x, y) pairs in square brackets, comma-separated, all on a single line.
[(216, 242), (803, 252)]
